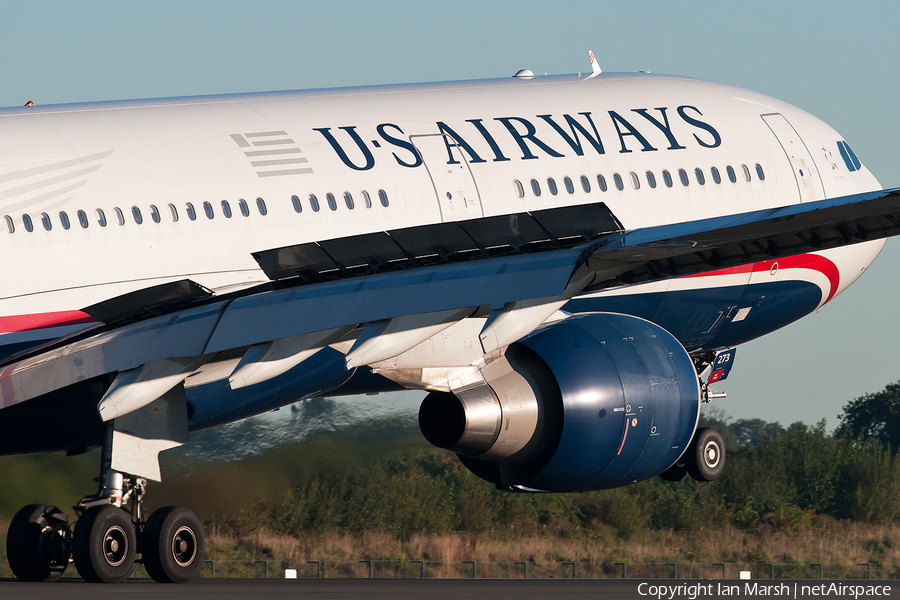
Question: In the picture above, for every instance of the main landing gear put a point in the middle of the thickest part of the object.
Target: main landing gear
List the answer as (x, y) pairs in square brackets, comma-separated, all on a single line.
[(108, 539)]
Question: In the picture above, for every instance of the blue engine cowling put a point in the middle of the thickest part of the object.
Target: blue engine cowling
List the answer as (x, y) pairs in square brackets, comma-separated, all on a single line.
[(605, 399)]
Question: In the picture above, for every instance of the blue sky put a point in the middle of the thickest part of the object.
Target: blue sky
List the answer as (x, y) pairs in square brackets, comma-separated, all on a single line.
[(834, 59)]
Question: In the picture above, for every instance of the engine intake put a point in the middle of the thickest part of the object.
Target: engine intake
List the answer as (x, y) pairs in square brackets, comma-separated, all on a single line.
[(599, 400)]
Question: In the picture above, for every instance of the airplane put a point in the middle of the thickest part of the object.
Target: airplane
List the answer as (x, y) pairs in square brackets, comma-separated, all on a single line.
[(582, 253)]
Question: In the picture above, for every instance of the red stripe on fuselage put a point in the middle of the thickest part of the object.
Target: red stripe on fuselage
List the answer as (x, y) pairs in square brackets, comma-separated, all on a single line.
[(16, 323), (813, 262)]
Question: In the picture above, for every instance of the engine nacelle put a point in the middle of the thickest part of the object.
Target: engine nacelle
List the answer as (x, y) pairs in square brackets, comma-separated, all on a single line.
[(597, 401)]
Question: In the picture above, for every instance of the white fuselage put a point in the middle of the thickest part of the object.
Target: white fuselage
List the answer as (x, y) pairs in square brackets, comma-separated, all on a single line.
[(157, 157)]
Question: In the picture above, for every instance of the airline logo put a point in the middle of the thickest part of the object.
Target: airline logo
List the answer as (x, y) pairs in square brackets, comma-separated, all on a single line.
[(272, 153), (517, 138)]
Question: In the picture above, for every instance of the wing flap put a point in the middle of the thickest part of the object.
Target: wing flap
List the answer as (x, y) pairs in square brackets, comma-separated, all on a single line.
[(439, 244)]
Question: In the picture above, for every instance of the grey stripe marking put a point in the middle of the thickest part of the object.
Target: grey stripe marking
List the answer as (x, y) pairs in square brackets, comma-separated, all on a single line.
[(273, 152), (47, 168), (285, 172), (239, 139), (42, 197), (273, 142), (283, 161), (58, 203), (46, 182), (265, 134)]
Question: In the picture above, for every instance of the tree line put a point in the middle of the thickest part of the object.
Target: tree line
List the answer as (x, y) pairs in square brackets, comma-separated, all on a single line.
[(777, 476)]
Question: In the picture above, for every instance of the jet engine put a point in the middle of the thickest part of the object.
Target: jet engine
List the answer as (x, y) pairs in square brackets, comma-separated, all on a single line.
[(599, 400)]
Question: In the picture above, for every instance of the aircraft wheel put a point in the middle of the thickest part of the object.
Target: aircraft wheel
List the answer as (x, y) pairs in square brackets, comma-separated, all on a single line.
[(104, 545), (705, 457), (173, 545), (38, 543), (676, 472)]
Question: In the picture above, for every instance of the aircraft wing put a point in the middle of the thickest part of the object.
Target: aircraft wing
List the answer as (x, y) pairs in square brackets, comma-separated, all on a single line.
[(721, 242), (515, 270)]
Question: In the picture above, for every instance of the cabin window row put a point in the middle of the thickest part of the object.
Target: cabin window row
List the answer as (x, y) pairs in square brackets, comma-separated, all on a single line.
[(332, 202), (156, 215), (635, 180)]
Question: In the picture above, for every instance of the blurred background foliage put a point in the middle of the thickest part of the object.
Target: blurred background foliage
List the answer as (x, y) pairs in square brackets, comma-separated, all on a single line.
[(379, 474)]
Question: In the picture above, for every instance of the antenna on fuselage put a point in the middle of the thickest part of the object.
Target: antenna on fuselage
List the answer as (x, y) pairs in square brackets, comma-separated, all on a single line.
[(595, 67)]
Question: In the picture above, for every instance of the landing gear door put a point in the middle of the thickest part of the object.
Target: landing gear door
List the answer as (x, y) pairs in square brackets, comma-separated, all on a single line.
[(722, 364), (806, 174), (454, 185)]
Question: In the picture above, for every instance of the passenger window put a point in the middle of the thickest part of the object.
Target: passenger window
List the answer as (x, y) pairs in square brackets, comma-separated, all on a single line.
[(535, 187), (586, 184), (551, 184), (698, 173), (261, 207), (208, 209), (332, 203), (173, 213), (746, 172), (348, 200), (244, 207), (64, 220), (101, 217), (295, 200), (667, 178), (635, 182), (26, 221), (10, 226), (383, 197), (136, 213), (120, 216), (569, 186), (367, 200), (759, 172), (715, 174), (601, 182), (651, 179), (520, 191), (731, 176), (682, 174), (82, 219), (226, 209), (314, 202), (191, 213), (45, 221), (618, 181), (154, 214)]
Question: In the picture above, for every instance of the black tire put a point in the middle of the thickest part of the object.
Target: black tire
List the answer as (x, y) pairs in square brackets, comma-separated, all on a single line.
[(173, 545), (104, 545), (705, 457), (676, 472), (37, 543)]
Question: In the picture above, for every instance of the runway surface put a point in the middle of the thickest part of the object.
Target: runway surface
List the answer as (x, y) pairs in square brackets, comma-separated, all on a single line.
[(438, 589)]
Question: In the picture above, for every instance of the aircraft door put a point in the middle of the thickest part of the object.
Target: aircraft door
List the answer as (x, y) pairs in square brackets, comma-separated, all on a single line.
[(806, 175), (454, 185)]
